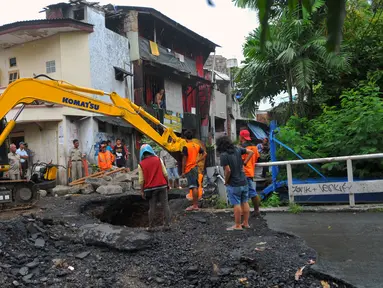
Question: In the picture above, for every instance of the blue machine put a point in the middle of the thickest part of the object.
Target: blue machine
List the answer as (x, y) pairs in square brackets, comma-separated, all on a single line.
[(282, 185)]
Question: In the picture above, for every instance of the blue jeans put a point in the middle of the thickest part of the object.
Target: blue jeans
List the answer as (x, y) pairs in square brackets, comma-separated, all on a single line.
[(192, 177), (173, 173), (237, 195), (251, 185)]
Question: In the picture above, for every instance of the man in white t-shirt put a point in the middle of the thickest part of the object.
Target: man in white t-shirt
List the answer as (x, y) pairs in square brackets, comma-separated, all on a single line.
[(23, 158)]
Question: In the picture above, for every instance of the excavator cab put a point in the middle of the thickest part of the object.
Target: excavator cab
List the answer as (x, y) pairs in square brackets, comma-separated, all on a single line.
[(4, 163)]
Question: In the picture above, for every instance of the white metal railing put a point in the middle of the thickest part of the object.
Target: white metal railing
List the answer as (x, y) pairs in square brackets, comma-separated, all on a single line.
[(350, 187)]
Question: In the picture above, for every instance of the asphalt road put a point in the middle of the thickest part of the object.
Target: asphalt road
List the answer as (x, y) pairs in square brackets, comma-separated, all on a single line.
[(349, 245)]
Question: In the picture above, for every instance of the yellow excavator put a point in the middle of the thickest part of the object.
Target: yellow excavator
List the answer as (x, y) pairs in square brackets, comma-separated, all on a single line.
[(16, 194)]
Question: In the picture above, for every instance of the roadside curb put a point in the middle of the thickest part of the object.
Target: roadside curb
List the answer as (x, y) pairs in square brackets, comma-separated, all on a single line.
[(303, 209)]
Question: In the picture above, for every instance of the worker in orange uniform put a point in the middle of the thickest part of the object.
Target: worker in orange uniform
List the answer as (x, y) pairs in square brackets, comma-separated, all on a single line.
[(201, 168), (190, 159), (105, 158), (249, 168)]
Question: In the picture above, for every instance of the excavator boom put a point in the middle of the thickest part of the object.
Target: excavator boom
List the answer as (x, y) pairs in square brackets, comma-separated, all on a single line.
[(27, 90)]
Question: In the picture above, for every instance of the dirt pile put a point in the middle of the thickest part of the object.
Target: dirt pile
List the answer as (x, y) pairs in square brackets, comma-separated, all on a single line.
[(47, 251)]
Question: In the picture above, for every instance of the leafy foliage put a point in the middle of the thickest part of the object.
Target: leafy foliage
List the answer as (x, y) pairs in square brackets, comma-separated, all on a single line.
[(272, 201), (267, 9), (293, 56), (356, 127)]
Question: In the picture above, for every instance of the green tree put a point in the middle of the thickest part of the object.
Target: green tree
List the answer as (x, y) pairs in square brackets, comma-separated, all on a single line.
[(292, 57)]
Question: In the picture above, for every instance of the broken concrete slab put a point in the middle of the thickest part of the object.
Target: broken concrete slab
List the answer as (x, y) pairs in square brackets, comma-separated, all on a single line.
[(123, 177), (61, 190), (87, 189), (119, 238), (96, 182), (126, 186), (107, 178), (109, 190)]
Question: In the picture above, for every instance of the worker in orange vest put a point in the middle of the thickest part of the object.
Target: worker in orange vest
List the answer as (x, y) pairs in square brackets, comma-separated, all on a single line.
[(105, 158)]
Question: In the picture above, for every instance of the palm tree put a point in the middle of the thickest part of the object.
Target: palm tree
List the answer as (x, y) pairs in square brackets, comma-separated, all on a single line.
[(293, 57)]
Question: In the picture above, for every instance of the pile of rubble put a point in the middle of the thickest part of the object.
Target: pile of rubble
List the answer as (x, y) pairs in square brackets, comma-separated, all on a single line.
[(110, 183)]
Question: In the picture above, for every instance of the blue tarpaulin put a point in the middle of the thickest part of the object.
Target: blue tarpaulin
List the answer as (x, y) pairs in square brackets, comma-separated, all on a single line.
[(257, 131)]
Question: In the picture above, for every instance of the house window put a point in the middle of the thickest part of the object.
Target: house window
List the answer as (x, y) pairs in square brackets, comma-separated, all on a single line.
[(79, 14), (101, 127), (13, 76), (51, 66), (12, 62)]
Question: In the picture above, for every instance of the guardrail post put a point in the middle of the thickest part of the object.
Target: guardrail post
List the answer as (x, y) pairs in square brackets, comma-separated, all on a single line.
[(290, 183), (350, 177)]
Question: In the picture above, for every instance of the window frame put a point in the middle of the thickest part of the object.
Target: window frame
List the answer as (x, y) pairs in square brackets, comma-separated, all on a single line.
[(13, 72), (50, 68), (9, 62)]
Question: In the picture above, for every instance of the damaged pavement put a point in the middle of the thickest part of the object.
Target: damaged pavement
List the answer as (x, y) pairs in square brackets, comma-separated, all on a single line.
[(98, 240)]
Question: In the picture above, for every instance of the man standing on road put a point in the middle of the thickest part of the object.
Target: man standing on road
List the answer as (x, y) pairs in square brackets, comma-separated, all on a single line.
[(15, 170), (244, 138), (23, 159), (189, 166), (235, 180), (75, 161), (153, 180), (171, 168)]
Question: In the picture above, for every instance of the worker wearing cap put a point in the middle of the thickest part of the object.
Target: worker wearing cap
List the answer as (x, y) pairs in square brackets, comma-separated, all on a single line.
[(249, 168)]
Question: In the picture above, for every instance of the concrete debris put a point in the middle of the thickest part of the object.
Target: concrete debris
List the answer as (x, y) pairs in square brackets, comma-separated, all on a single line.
[(96, 182), (123, 177), (87, 189), (107, 178), (119, 238), (39, 243), (61, 190), (109, 190), (43, 193), (126, 186), (82, 255), (23, 271)]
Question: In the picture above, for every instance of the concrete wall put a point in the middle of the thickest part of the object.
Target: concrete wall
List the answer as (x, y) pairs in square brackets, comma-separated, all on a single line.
[(107, 49), (31, 58), (220, 104)]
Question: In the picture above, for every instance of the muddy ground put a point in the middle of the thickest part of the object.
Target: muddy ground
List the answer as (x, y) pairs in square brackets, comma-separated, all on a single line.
[(43, 248)]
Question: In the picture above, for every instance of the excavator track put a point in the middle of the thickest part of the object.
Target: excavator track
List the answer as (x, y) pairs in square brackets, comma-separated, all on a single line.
[(17, 195)]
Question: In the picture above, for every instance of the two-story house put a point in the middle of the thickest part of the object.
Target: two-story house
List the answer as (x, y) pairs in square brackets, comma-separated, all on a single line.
[(73, 44)]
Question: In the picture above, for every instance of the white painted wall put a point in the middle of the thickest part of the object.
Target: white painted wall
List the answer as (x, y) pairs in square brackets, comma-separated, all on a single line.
[(220, 104), (173, 96), (107, 49)]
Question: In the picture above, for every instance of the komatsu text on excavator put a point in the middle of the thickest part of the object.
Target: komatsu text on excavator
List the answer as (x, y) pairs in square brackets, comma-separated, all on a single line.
[(25, 91)]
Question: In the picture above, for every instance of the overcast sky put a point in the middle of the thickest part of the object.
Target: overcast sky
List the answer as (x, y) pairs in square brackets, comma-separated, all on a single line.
[(224, 24)]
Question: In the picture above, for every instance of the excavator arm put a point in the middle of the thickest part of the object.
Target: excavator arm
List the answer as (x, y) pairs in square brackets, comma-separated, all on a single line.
[(27, 90)]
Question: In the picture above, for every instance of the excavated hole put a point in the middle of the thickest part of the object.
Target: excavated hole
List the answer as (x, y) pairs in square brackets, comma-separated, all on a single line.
[(129, 211)]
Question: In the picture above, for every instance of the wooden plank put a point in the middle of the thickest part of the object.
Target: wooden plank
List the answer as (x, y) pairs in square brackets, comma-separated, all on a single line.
[(78, 181)]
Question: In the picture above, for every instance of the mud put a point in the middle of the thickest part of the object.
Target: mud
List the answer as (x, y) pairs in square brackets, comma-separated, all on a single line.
[(197, 252)]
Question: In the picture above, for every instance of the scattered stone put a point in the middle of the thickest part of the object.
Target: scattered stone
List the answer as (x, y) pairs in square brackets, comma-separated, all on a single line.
[(192, 270), (86, 189), (47, 221), (40, 243), (159, 280), (62, 273), (5, 266), (23, 271), (68, 197), (225, 271), (32, 265), (61, 190), (28, 277), (41, 230), (44, 279), (123, 177), (82, 255), (119, 238), (15, 283), (201, 220), (43, 193), (31, 228), (109, 190)]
